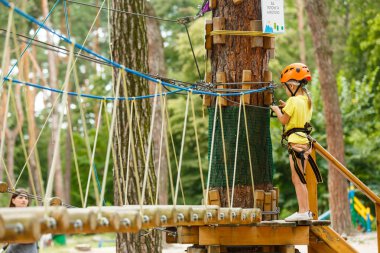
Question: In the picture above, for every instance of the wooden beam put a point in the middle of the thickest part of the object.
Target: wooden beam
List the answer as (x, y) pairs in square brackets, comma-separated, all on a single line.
[(208, 37), (332, 239), (256, 41), (247, 77), (237, 2), (267, 205), (221, 78), (219, 23), (253, 235), (188, 235), (312, 188), (212, 4)]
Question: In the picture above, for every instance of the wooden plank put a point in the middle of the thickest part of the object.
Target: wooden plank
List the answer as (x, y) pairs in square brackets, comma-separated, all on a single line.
[(221, 78), (316, 245), (256, 41), (269, 42), (188, 235), (377, 207), (219, 23), (212, 4), (268, 98), (320, 223), (247, 77), (332, 239), (259, 199), (274, 204), (287, 249), (267, 205), (208, 37), (196, 249), (253, 235), (213, 249), (312, 188), (276, 223)]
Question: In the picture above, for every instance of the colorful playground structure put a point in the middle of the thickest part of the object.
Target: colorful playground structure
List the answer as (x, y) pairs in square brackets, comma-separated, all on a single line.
[(360, 214)]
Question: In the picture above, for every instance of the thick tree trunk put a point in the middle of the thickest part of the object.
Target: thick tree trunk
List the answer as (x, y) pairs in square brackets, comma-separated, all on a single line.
[(232, 58), (53, 75), (301, 30), (129, 47), (339, 206), (157, 66)]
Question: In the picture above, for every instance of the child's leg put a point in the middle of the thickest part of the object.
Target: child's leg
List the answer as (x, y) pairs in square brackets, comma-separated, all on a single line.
[(301, 189)]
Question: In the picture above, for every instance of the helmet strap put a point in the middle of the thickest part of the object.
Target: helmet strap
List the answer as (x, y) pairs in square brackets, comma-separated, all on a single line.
[(290, 90)]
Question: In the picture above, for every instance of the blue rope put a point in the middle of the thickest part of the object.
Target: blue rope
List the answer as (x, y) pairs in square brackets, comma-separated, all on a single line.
[(66, 18), (117, 65), (85, 95), (98, 182), (30, 41), (38, 86)]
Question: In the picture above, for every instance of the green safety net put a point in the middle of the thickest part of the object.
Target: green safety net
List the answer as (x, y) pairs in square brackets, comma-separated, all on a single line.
[(258, 121)]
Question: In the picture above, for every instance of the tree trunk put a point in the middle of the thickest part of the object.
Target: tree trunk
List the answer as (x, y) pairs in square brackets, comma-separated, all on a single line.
[(301, 30), (53, 75), (129, 47), (339, 206), (232, 57), (156, 63)]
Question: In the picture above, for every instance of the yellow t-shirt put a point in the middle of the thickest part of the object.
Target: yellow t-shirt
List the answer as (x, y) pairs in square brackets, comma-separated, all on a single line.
[(297, 108)]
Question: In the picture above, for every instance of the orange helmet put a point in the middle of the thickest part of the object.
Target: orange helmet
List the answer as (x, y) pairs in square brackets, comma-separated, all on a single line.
[(295, 71)]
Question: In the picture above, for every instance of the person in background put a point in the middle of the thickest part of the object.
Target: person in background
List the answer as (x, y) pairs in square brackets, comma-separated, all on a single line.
[(20, 198)]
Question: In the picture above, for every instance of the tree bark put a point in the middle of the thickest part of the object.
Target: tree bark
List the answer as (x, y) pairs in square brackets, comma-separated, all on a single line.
[(301, 30), (337, 184), (232, 58), (156, 62), (53, 80), (129, 47)]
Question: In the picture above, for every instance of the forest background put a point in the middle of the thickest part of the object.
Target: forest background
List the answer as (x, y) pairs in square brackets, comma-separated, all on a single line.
[(354, 32)]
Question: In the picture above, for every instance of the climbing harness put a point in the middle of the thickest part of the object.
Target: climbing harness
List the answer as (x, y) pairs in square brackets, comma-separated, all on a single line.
[(302, 152)]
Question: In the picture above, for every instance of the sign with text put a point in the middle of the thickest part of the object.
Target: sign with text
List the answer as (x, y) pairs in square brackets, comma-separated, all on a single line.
[(273, 16)]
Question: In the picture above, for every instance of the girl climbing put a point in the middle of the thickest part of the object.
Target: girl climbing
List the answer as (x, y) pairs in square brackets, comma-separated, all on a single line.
[(295, 116)]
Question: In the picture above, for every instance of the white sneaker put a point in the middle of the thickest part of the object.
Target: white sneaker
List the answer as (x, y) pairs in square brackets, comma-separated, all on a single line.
[(299, 216)]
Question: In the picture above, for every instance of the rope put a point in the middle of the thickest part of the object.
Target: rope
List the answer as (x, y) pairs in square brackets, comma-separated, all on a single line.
[(236, 152), (240, 33), (224, 153), (125, 12), (5, 129), (117, 65), (150, 139), (11, 6), (197, 142), (160, 148), (211, 152), (49, 187), (66, 18), (249, 149), (75, 156), (114, 109), (181, 152), (192, 50), (6, 47), (168, 151), (128, 159)]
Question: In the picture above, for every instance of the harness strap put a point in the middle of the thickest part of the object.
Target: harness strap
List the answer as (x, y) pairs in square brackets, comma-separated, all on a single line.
[(296, 167), (315, 168)]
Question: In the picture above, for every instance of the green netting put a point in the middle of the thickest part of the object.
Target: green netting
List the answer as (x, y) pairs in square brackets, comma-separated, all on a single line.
[(259, 142)]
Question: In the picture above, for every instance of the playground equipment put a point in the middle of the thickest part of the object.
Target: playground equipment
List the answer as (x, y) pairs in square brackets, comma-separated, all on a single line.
[(360, 215), (208, 225)]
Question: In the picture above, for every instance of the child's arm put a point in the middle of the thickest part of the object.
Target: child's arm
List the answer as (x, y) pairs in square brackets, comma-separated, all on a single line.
[(282, 117)]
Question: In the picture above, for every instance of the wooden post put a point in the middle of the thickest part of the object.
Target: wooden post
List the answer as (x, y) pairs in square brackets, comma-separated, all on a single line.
[(212, 4), (287, 249), (269, 43), (247, 77), (312, 188), (259, 199), (377, 206), (219, 23), (256, 41), (208, 37), (3, 187), (268, 98), (237, 2), (274, 204), (206, 98), (221, 78), (267, 205)]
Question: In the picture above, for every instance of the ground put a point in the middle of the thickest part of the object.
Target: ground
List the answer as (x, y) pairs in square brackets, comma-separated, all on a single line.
[(363, 242)]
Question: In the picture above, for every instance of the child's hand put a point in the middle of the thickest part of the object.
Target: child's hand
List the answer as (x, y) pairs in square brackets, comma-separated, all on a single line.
[(275, 108), (282, 104)]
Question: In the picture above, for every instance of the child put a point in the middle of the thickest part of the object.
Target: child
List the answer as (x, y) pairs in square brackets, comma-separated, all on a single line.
[(295, 116)]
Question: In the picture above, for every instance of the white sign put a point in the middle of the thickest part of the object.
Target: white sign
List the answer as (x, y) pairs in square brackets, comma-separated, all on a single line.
[(273, 16)]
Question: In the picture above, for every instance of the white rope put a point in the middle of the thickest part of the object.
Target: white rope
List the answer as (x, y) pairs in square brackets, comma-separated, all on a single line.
[(128, 160), (114, 109), (160, 148), (182, 145), (4, 129), (211, 151), (150, 139), (249, 151), (49, 187), (236, 152)]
